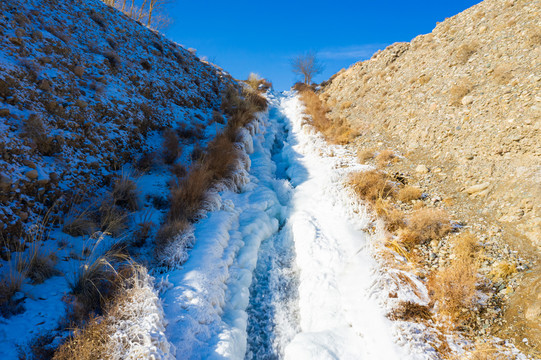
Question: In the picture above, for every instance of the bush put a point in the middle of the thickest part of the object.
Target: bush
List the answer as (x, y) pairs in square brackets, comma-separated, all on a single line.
[(371, 185), (454, 288), (464, 52), (409, 193), (335, 131), (462, 88), (424, 225)]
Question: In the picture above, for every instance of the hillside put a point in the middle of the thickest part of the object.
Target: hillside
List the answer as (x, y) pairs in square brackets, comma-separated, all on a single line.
[(461, 107), (99, 118)]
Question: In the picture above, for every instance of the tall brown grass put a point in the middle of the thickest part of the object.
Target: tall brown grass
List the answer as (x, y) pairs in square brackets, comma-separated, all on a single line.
[(424, 225), (216, 163), (336, 131), (371, 185)]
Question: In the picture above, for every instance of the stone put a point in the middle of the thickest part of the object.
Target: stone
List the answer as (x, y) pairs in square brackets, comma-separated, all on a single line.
[(45, 85), (422, 169), (79, 70), (32, 174), (4, 112), (467, 100), (476, 188), (29, 163), (81, 104)]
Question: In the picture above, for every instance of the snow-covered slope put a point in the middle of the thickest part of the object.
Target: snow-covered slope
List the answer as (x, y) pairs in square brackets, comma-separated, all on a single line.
[(86, 96)]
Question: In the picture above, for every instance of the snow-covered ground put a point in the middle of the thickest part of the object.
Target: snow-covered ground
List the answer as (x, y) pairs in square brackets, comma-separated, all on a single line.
[(284, 267)]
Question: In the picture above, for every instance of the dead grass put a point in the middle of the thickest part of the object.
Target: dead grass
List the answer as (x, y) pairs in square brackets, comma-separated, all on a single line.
[(10, 284), (125, 193), (214, 164), (171, 149), (454, 288), (394, 218), (410, 311), (385, 157), (96, 282), (503, 270), (371, 185), (465, 246), (424, 225), (457, 92), (409, 193), (365, 155), (79, 225), (464, 52), (502, 74), (336, 131)]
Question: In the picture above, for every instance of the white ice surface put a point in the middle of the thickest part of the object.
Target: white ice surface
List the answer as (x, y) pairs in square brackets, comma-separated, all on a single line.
[(339, 309)]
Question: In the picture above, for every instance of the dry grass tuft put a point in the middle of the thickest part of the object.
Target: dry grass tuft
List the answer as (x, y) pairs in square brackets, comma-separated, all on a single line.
[(171, 149), (454, 288), (464, 52), (462, 88), (394, 218), (365, 155), (79, 225), (371, 185), (424, 225), (410, 311), (502, 270), (465, 246), (125, 193), (502, 74), (96, 282), (409, 193), (335, 131), (385, 157)]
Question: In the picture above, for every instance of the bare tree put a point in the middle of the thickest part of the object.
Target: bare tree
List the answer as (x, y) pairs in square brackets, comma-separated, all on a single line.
[(153, 4), (307, 65)]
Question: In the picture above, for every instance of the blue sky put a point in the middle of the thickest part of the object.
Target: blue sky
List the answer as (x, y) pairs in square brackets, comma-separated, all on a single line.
[(262, 36)]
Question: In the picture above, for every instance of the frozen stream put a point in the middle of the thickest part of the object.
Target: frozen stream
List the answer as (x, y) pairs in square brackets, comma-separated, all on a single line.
[(282, 269)]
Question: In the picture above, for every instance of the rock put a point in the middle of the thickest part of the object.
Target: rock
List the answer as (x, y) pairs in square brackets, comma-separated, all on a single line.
[(80, 103), (5, 182), (32, 174), (4, 112), (23, 215), (29, 163), (533, 312), (476, 188), (422, 169), (79, 70), (467, 100), (45, 85)]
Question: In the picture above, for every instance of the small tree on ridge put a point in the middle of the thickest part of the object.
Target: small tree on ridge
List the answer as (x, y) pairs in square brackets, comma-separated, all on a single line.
[(307, 65)]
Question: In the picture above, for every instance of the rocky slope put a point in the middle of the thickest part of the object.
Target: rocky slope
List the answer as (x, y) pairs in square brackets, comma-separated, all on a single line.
[(462, 106), (470, 94)]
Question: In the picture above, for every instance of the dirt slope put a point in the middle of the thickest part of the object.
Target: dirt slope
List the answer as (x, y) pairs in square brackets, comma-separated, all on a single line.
[(463, 106)]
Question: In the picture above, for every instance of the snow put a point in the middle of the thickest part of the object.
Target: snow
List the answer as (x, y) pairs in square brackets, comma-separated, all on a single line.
[(284, 267)]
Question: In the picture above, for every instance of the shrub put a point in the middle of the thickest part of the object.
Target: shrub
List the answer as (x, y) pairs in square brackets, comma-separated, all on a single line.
[(38, 266), (409, 193), (170, 146), (113, 58), (502, 74), (424, 225), (10, 284), (454, 288), (112, 218), (393, 218), (371, 185), (78, 226)]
